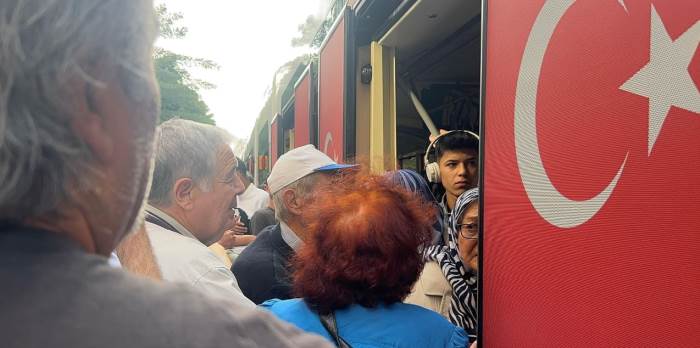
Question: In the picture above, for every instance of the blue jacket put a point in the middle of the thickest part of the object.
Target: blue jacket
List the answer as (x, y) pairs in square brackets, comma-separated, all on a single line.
[(396, 325)]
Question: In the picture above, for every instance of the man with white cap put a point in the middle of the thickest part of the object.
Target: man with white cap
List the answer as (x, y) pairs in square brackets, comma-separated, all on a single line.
[(262, 269)]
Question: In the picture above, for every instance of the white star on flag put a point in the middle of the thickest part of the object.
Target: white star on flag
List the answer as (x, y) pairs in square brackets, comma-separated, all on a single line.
[(665, 80)]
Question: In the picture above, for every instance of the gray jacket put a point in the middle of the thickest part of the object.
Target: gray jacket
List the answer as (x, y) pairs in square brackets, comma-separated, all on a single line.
[(54, 294)]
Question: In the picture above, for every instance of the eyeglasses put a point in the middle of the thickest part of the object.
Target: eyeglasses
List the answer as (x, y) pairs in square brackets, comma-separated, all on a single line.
[(469, 231)]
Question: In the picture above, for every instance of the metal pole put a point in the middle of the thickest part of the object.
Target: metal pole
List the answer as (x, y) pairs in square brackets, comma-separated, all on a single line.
[(419, 107)]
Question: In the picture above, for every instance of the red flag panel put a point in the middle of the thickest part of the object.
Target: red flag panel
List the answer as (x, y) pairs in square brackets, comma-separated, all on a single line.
[(592, 174), (301, 111), (331, 94)]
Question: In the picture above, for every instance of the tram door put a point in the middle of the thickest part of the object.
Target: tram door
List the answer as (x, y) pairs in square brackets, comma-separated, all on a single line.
[(433, 53)]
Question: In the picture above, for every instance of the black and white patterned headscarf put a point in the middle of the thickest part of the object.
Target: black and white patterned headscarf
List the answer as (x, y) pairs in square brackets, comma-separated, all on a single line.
[(463, 309)]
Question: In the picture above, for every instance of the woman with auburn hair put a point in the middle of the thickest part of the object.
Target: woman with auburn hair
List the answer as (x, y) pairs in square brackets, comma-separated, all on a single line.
[(360, 264)]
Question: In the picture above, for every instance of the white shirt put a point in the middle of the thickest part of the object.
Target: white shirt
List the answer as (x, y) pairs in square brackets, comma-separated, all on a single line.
[(184, 259), (252, 200), (290, 237), (114, 260)]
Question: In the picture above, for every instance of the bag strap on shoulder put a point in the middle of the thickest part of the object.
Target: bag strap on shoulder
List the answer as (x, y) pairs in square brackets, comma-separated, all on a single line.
[(328, 321)]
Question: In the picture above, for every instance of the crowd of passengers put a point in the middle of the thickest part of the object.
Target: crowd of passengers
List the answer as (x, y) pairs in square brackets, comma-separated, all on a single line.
[(116, 232)]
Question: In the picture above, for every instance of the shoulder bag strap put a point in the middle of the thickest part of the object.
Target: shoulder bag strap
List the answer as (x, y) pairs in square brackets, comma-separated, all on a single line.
[(328, 321)]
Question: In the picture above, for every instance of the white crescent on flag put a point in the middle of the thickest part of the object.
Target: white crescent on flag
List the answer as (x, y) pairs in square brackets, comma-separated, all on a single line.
[(553, 206), (328, 141)]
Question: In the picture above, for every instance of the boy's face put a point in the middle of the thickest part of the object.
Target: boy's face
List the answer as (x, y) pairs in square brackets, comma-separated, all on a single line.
[(459, 170)]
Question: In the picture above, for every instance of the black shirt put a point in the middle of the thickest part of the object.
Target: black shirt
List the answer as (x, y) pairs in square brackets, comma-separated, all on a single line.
[(263, 270)]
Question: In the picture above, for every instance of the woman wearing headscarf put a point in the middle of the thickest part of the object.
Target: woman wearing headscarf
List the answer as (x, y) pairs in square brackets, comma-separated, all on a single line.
[(458, 261)]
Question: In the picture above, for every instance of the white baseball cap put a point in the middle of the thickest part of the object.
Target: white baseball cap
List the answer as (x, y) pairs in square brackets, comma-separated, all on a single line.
[(299, 163)]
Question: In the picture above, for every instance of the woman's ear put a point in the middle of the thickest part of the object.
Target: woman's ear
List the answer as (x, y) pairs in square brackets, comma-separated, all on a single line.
[(184, 193)]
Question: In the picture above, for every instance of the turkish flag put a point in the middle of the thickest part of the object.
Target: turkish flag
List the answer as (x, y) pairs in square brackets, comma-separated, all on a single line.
[(591, 191)]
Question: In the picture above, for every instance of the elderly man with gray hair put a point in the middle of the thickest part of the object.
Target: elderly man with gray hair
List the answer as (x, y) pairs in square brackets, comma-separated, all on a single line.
[(263, 267), (78, 110), (191, 203)]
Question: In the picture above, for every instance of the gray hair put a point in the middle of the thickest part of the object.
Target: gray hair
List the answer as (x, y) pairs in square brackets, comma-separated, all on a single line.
[(184, 149), (44, 46), (303, 187)]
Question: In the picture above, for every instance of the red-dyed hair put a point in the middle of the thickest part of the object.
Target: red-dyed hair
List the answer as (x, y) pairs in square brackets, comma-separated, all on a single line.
[(365, 236)]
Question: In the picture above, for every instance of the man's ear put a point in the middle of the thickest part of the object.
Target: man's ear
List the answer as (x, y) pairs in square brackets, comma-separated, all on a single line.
[(87, 122), (292, 202), (184, 193)]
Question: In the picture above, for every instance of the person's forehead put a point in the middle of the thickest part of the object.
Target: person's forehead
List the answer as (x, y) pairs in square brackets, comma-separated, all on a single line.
[(472, 212), (459, 155), (225, 159), (473, 207)]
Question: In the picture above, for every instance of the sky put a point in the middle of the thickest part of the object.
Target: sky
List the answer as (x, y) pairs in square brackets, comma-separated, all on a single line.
[(249, 40)]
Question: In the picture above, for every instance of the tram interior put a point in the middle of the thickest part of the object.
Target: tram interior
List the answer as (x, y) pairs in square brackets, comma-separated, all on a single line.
[(438, 54)]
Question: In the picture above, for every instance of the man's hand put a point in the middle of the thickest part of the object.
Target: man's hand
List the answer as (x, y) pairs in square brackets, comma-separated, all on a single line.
[(228, 240), (433, 137), (244, 240), (239, 228), (231, 239)]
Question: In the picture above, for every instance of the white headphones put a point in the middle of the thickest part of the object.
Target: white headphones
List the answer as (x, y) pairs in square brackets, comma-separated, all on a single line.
[(432, 169)]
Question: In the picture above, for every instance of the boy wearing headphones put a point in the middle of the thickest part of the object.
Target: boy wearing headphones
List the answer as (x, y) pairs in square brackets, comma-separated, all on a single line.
[(456, 166)]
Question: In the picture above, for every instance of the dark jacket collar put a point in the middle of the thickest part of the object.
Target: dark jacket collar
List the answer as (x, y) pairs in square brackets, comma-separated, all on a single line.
[(25, 239)]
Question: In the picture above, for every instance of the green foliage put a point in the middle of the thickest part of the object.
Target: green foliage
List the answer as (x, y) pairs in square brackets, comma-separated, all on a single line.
[(169, 28), (179, 92), (179, 95)]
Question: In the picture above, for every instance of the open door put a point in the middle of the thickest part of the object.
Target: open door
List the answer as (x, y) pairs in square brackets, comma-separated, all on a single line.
[(434, 52)]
